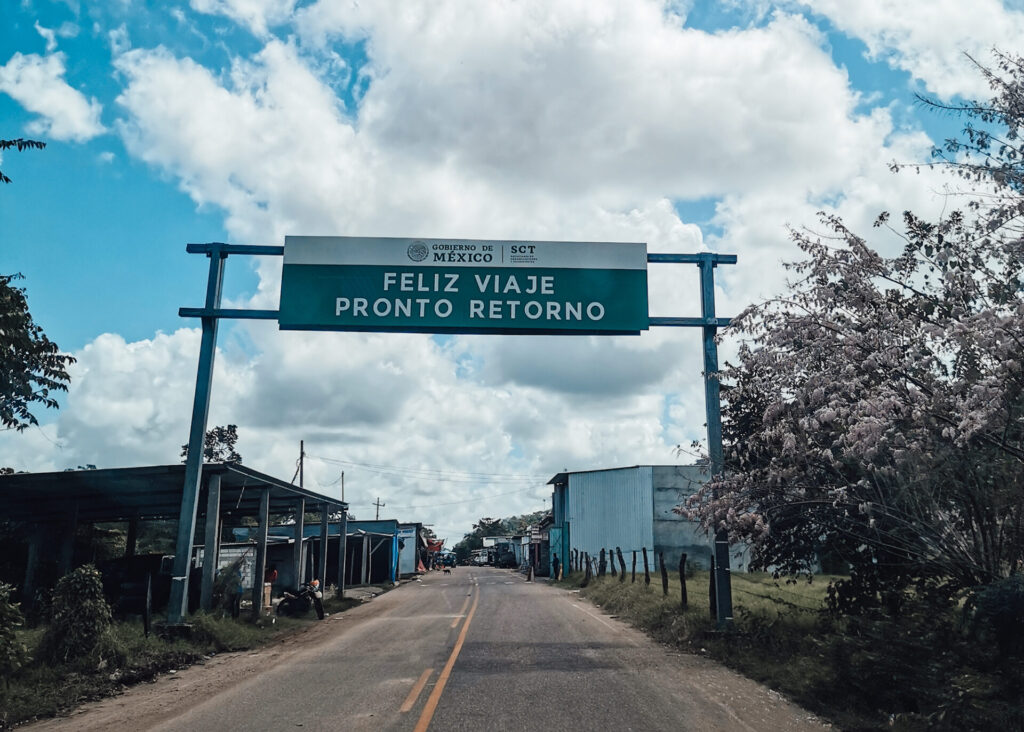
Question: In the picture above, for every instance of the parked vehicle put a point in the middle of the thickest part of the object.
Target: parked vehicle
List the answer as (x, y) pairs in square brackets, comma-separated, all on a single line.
[(299, 602)]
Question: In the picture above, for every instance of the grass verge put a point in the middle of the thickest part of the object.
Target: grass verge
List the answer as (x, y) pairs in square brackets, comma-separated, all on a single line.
[(916, 672)]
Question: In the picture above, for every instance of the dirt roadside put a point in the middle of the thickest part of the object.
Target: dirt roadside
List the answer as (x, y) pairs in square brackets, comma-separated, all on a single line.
[(724, 694), (148, 704)]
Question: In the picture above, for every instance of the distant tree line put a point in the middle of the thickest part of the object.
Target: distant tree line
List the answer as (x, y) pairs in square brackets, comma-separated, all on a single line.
[(511, 526)]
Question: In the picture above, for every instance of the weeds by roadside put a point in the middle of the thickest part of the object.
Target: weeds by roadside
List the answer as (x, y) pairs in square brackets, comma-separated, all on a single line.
[(916, 672)]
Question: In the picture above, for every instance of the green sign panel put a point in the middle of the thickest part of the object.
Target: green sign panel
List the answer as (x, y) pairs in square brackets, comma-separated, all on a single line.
[(463, 286)]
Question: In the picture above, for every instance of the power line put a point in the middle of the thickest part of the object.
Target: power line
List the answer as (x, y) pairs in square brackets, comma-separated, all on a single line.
[(437, 475), (451, 503)]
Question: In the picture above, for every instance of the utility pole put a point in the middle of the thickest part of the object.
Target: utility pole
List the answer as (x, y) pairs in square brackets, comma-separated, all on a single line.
[(302, 459), (378, 504), (342, 486)]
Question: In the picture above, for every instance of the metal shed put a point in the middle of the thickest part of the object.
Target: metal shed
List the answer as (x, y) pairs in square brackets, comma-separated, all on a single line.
[(630, 508), (372, 552), (54, 504)]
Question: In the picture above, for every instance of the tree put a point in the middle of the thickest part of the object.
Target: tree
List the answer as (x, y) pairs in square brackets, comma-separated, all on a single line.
[(13, 653), (31, 365), (475, 538), (218, 445), (876, 412), (19, 145)]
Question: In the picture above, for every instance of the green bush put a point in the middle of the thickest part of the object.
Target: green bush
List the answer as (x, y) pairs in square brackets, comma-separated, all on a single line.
[(80, 617), (13, 654), (995, 613)]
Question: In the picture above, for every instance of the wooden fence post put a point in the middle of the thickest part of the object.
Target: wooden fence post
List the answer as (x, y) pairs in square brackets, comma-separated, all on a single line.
[(712, 595), (622, 565), (602, 564), (664, 574), (647, 568), (611, 562), (682, 576)]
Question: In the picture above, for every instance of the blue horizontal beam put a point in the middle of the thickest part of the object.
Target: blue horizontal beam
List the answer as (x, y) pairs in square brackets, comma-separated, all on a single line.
[(227, 313), (689, 322), (712, 257), (272, 315), (267, 250), (222, 248)]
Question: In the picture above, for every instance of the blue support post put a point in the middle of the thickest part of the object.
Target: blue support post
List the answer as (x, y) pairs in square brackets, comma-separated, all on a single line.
[(177, 607), (713, 408), (297, 563)]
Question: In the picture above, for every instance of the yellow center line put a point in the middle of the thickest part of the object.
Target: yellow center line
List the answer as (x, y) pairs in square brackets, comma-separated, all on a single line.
[(461, 611), (415, 693), (435, 696)]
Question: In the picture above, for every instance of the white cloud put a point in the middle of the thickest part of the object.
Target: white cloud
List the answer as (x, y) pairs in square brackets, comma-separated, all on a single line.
[(607, 98), (119, 40), (575, 120), (36, 83), (67, 29), (256, 15), (928, 38), (49, 36)]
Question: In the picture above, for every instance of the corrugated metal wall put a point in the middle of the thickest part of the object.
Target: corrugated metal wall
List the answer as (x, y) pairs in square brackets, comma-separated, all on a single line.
[(611, 508), (408, 554), (673, 484)]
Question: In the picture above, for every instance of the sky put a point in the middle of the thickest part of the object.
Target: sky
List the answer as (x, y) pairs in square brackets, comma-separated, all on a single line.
[(689, 125)]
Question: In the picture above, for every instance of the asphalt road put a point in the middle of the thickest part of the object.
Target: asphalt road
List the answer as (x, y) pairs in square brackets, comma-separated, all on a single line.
[(479, 649)]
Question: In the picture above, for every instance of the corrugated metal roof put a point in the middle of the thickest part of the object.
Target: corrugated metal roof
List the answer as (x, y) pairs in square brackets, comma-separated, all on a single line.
[(150, 492), (560, 478)]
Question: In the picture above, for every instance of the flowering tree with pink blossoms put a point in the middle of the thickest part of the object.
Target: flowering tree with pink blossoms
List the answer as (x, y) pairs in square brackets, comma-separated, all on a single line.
[(875, 413)]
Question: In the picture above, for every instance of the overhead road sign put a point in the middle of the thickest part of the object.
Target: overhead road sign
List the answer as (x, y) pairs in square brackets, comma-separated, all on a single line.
[(465, 262), (463, 286)]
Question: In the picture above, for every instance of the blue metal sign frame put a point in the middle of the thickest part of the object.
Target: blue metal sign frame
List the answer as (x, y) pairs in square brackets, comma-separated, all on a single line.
[(212, 312)]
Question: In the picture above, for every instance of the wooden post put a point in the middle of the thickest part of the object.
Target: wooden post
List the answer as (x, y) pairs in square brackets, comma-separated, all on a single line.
[(664, 574), (712, 595), (682, 576), (602, 564), (132, 540), (611, 562), (647, 568), (622, 565), (37, 538), (633, 580)]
